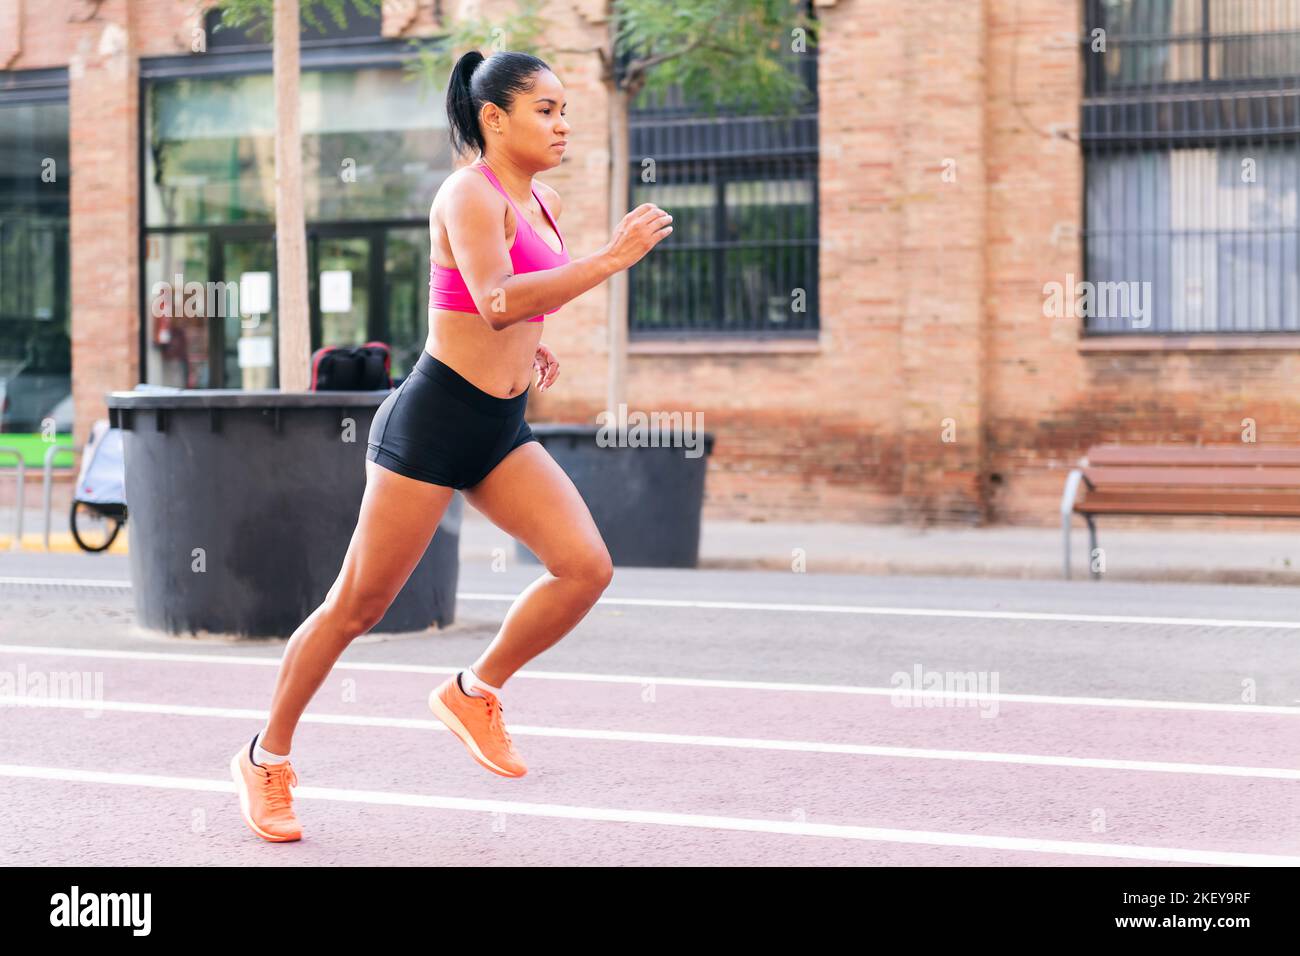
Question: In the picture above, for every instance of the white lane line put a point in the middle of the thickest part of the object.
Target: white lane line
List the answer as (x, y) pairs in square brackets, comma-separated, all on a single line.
[(808, 608), (919, 612), (687, 740), (67, 582), (695, 820), (643, 680)]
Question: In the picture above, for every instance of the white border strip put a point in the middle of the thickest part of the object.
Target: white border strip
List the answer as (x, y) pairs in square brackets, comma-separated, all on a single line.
[(926, 612), (689, 740), (67, 582), (694, 820), (804, 608), (646, 680)]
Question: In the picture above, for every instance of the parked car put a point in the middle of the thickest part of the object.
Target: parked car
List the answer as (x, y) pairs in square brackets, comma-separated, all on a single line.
[(29, 397)]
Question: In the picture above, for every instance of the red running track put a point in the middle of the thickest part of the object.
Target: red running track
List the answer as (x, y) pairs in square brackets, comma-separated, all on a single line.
[(144, 780)]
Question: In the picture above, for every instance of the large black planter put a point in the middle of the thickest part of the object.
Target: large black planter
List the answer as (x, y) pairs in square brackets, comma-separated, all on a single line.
[(646, 501), (265, 484)]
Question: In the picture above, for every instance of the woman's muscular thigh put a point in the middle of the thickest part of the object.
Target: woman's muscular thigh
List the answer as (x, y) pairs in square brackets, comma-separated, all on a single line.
[(398, 518), (529, 496)]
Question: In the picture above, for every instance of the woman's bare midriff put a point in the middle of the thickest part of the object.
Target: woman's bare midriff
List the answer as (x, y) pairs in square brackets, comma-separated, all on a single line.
[(498, 362)]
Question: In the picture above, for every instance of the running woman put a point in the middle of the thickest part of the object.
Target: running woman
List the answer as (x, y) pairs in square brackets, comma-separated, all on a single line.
[(498, 266)]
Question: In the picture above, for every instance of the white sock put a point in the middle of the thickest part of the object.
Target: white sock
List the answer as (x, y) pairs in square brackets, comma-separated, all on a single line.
[(264, 756), (472, 684)]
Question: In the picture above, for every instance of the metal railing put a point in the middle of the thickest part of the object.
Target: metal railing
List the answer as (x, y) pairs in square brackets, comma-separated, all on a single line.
[(47, 481), (17, 543)]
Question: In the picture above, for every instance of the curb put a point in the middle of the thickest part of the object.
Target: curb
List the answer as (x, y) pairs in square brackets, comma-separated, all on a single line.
[(60, 543), (64, 543), (958, 569), (1164, 575)]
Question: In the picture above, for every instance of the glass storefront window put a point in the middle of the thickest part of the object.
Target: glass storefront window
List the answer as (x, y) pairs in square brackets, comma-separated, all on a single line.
[(375, 150), (176, 320), (374, 147), (406, 301), (248, 332), (342, 269), (35, 345)]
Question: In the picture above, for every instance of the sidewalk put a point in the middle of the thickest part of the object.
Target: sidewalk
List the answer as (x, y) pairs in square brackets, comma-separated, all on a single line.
[(1231, 557)]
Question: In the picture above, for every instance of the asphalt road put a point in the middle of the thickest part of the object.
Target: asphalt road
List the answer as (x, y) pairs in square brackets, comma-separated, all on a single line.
[(694, 717)]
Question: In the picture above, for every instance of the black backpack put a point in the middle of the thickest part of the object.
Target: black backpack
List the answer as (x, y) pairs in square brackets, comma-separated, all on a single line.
[(359, 368)]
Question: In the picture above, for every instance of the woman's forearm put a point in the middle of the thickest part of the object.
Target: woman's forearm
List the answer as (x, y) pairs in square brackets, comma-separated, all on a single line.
[(523, 296)]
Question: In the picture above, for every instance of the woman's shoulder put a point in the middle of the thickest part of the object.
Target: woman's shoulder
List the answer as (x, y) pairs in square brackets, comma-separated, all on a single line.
[(462, 179), (462, 184), (550, 197)]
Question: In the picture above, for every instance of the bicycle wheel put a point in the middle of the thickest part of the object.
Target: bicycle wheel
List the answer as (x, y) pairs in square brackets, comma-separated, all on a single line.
[(92, 529)]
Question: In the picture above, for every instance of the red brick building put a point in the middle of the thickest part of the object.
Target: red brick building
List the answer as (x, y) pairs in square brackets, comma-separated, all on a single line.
[(963, 157)]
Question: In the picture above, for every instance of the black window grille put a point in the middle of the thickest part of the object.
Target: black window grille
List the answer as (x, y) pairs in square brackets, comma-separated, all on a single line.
[(742, 259), (1190, 130)]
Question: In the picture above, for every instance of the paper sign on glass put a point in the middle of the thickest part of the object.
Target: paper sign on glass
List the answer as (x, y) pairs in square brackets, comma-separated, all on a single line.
[(336, 291), (254, 293), (255, 351)]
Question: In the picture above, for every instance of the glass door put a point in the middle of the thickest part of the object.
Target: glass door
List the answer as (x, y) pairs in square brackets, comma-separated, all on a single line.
[(406, 295), (370, 282), (344, 284), (246, 330), (365, 282)]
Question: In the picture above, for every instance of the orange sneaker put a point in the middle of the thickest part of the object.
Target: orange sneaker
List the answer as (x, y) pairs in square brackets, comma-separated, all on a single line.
[(477, 722), (265, 801)]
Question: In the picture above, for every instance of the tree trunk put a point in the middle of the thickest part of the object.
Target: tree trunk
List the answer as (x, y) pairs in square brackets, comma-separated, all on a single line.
[(293, 327), (618, 190)]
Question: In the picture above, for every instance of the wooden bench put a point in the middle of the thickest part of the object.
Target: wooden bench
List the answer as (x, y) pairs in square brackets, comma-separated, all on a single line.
[(1243, 481)]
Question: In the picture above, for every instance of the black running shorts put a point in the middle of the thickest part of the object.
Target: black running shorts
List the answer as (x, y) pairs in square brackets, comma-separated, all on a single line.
[(439, 427)]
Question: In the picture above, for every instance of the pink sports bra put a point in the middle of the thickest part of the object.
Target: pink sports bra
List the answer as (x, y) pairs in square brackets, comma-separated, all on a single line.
[(528, 253)]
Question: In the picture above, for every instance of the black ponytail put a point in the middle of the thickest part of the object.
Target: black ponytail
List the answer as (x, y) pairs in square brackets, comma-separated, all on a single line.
[(476, 80)]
